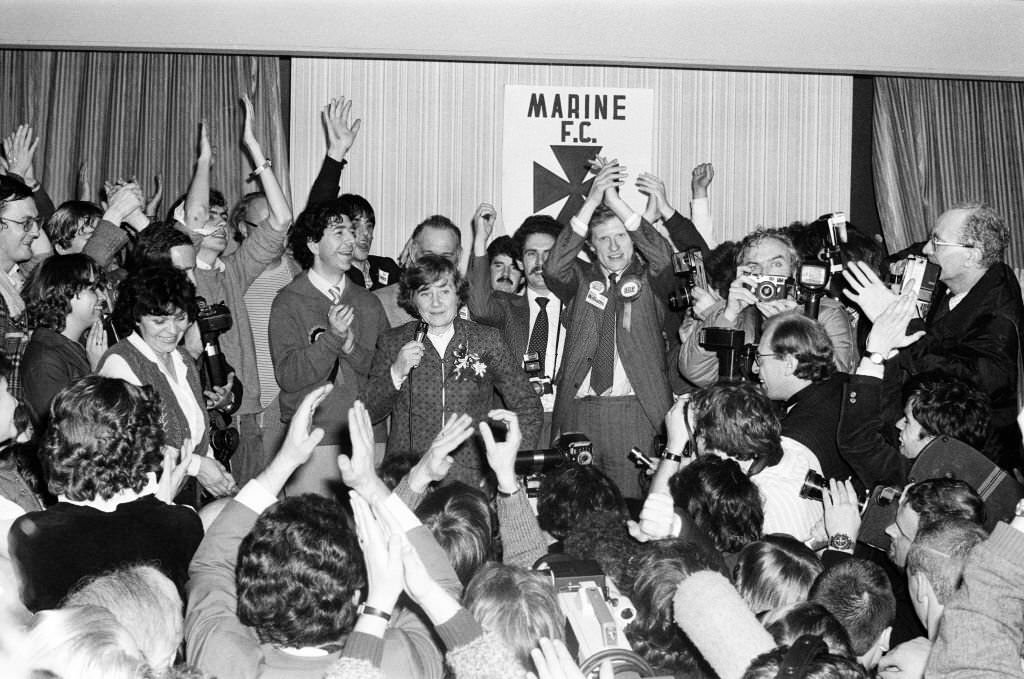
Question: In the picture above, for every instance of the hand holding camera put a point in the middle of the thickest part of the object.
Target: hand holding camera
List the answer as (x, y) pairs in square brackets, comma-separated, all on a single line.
[(890, 329), (741, 293), (501, 456)]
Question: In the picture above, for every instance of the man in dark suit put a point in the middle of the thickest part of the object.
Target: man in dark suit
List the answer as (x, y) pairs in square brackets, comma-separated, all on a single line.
[(613, 383), (532, 324)]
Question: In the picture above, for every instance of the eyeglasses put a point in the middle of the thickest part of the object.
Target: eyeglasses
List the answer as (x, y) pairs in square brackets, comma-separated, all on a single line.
[(27, 224), (936, 242), (758, 357)]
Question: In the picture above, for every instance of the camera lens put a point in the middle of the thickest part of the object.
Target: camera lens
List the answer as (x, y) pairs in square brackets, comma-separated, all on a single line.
[(765, 291)]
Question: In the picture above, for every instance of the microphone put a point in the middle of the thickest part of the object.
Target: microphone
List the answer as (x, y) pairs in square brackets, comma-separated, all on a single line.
[(421, 331), (720, 624)]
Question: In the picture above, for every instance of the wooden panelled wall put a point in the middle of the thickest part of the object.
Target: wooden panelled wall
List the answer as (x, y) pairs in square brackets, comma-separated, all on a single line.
[(431, 138)]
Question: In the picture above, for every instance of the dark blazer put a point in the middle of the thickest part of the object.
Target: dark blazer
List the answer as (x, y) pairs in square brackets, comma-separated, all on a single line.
[(509, 313), (641, 347), (432, 393), (384, 271), (978, 341)]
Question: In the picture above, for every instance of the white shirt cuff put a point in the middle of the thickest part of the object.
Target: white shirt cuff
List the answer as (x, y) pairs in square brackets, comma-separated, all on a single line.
[(254, 496), (632, 222), (578, 226), (405, 517)]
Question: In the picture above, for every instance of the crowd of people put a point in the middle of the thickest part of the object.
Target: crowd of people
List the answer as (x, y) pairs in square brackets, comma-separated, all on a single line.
[(235, 444)]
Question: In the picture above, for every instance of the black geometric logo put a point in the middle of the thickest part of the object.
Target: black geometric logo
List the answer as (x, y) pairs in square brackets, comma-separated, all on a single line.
[(549, 188)]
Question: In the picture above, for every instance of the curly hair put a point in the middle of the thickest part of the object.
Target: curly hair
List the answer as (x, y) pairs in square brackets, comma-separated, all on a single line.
[(297, 571), (153, 246), (757, 237), (654, 633), (505, 245), (986, 229), (68, 220), (424, 272), (603, 537), (53, 285), (793, 334), (949, 406), (544, 224), (153, 291), (776, 571), (310, 225), (572, 492), (721, 500), (104, 436), (739, 421)]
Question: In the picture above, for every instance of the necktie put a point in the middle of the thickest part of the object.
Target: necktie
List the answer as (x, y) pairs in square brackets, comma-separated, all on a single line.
[(604, 357), (539, 337), (335, 293)]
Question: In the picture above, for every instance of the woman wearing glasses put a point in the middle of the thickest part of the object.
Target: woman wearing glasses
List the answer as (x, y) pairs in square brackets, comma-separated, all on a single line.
[(19, 226)]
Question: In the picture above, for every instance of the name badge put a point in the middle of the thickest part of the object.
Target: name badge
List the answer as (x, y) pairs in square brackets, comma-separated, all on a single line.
[(596, 299), (382, 276)]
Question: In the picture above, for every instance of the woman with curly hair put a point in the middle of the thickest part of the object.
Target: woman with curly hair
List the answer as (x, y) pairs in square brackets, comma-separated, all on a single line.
[(102, 454), (159, 304), (422, 381), (65, 298)]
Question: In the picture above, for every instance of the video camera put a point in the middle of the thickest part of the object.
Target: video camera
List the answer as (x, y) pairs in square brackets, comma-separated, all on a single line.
[(597, 616), (735, 356), (688, 266)]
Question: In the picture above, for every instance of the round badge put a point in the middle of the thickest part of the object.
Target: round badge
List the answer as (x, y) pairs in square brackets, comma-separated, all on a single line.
[(630, 287), (597, 286)]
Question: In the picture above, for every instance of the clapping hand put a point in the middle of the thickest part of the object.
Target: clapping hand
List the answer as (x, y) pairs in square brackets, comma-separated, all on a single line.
[(867, 290), (436, 462)]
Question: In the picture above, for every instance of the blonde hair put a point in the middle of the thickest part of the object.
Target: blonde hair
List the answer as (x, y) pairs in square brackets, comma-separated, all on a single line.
[(83, 642)]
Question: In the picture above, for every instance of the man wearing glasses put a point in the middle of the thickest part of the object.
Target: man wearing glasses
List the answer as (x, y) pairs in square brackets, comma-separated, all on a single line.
[(973, 327)]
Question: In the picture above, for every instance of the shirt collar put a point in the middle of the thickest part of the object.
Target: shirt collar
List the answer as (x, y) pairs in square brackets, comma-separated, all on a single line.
[(325, 286), (218, 265)]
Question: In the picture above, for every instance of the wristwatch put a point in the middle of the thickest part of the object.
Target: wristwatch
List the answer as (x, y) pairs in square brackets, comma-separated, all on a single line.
[(840, 542), (876, 358)]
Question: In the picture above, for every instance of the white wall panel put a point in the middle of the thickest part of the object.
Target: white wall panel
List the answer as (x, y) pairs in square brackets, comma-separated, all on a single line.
[(431, 138)]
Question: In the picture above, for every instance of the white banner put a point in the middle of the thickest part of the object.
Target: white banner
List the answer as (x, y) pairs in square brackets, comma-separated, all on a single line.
[(551, 134)]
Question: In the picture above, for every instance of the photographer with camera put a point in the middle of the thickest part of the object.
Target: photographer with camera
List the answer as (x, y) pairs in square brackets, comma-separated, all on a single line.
[(765, 267)]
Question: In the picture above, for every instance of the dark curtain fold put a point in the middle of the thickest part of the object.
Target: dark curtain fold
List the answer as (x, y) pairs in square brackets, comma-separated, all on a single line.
[(137, 115), (938, 142)]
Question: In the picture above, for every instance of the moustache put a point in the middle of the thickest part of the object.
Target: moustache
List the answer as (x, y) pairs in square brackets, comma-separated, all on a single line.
[(504, 279), (536, 270)]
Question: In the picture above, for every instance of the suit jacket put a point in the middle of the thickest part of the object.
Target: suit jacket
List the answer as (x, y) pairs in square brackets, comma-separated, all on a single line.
[(509, 313), (978, 341), (384, 271), (432, 392), (641, 347)]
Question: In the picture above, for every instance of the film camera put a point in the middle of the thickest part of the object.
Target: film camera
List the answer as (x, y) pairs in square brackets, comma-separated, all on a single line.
[(597, 615), (920, 276), (534, 369), (735, 356), (813, 278), (213, 320), (769, 288), (688, 266), (570, 448)]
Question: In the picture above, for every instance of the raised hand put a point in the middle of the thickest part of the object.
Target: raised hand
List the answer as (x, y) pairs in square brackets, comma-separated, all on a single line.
[(866, 290), (20, 149), (84, 183), (890, 328), (842, 511), (382, 553), (154, 201), (436, 462), (301, 438), (741, 294), (357, 470), (501, 457), (340, 135), (248, 137), (610, 176), (658, 206), (483, 223), (173, 473), (701, 179), (205, 151)]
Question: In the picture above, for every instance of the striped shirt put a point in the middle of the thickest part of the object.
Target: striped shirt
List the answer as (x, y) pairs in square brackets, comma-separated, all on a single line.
[(258, 299)]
